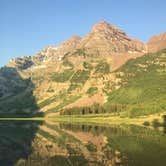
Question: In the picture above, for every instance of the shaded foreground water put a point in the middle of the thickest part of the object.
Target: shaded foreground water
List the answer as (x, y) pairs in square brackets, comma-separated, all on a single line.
[(35, 143)]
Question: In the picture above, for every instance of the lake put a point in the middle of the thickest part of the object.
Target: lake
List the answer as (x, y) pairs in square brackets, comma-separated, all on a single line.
[(39, 143)]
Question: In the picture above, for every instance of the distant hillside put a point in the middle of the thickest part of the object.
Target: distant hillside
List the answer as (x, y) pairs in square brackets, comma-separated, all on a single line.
[(143, 85), (138, 88), (157, 43)]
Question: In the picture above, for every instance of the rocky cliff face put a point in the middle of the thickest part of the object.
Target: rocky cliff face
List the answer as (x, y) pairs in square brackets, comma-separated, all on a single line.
[(103, 40), (46, 55), (21, 63), (108, 39), (157, 43), (69, 45), (53, 53)]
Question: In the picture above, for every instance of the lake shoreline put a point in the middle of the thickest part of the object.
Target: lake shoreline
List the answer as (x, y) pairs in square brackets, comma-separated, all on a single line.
[(95, 119)]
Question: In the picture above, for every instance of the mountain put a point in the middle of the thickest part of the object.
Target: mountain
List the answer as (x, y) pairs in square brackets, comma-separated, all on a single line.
[(50, 53), (103, 40), (108, 39), (56, 53), (143, 84), (157, 42), (85, 72)]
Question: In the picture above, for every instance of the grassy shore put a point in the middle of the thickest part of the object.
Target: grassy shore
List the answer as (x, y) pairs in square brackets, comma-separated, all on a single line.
[(97, 118), (23, 119), (108, 119)]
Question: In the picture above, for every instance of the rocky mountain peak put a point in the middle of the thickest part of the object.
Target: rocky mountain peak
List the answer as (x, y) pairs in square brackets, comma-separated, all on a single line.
[(157, 42), (47, 54), (71, 42), (21, 63), (109, 39), (104, 26), (158, 37), (74, 38)]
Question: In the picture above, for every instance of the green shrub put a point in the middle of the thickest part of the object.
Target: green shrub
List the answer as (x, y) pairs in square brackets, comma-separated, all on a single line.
[(92, 90), (133, 112), (156, 123), (80, 52), (50, 90), (37, 78), (52, 99), (81, 76), (87, 66), (67, 63), (62, 77), (91, 147), (65, 102), (146, 123), (102, 67), (73, 87), (164, 120)]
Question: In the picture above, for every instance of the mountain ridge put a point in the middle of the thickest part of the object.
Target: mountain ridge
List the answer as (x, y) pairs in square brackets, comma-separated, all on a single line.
[(103, 39), (80, 71), (108, 35), (157, 42)]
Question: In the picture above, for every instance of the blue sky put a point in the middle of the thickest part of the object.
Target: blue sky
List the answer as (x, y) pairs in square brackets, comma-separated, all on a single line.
[(26, 26)]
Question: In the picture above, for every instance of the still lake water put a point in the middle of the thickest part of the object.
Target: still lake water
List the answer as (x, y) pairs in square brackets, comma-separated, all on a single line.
[(34, 143)]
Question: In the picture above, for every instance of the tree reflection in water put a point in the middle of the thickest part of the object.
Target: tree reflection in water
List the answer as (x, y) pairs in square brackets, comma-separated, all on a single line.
[(16, 139)]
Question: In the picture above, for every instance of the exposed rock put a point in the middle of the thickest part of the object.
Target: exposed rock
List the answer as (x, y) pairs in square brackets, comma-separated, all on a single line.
[(56, 53), (108, 39), (68, 46), (45, 54), (21, 63), (50, 53), (156, 43)]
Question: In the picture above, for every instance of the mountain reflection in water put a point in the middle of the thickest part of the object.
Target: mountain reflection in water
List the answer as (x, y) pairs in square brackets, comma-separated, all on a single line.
[(31, 143)]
